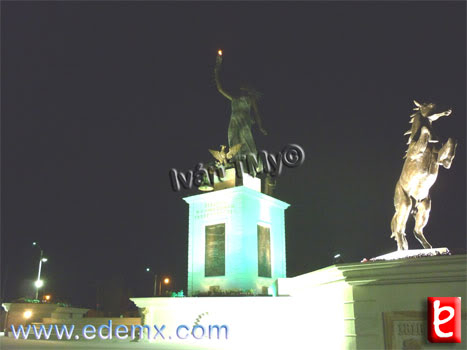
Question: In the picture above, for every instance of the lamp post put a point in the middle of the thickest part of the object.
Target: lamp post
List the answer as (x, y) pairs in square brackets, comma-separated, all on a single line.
[(39, 283), (155, 281), (166, 281), (162, 280)]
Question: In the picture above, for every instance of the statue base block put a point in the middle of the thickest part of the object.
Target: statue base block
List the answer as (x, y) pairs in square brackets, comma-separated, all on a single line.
[(231, 180), (412, 253)]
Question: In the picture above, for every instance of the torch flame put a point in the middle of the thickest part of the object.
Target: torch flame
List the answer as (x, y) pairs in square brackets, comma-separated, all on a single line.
[(219, 52)]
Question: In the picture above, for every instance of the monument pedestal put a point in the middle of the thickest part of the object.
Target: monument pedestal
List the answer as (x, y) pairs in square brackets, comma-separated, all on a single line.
[(379, 305), (236, 241), (374, 305)]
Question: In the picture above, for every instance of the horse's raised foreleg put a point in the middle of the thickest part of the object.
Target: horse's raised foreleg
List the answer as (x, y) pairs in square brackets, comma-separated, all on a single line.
[(402, 204), (446, 153), (421, 219)]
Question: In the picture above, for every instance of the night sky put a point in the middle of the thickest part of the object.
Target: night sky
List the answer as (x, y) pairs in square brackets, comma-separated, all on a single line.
[(101, 100)]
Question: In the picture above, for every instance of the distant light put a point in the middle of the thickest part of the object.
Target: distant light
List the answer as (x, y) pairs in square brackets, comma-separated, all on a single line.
[(148, 269), (44, 259), (47, 297), (337, 259), (166, 280), (39, 283), (27, 314), (34, 243), (219, 52)]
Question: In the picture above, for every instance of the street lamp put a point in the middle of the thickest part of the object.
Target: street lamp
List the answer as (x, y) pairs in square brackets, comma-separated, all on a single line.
[(166, 281), (39, 283)]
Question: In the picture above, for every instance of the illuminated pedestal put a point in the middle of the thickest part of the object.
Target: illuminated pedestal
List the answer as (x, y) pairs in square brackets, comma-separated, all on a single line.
[(236, 241), (378, 305), (375, 305)]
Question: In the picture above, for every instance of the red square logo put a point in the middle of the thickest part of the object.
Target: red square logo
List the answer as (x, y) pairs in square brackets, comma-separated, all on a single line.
[(444, 319)]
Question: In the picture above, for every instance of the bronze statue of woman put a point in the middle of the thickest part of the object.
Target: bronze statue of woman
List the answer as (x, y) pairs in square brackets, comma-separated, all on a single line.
[(244, 108)]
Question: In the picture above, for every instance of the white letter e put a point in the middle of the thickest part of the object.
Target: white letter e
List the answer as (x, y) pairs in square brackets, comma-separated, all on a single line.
[(437, 322)]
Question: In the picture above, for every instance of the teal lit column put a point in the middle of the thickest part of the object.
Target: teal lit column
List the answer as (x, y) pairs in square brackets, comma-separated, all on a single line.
[(236, 241)]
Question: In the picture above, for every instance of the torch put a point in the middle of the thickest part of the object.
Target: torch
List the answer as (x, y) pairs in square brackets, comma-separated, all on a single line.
[(219, 57)]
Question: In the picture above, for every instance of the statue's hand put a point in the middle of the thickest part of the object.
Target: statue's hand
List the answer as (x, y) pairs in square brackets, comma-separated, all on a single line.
[(448, 112)]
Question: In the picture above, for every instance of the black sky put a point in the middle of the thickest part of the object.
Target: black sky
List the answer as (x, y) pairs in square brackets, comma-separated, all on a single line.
[(100, 100)]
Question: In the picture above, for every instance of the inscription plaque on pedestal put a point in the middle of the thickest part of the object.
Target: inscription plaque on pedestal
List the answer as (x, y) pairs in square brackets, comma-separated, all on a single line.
[(264, 251), (215, 250), (404, 330)]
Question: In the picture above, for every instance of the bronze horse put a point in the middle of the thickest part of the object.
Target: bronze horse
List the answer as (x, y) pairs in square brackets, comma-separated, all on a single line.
[(419, 173)]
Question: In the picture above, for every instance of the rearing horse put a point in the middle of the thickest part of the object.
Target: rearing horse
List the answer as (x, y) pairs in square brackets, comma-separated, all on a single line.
[(419, 173)]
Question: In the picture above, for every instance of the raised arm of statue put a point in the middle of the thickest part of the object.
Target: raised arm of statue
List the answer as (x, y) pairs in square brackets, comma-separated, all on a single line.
[(219, 86)]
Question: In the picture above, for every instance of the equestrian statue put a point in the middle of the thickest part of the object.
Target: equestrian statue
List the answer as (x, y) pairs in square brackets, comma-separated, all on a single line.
[(422, 160)]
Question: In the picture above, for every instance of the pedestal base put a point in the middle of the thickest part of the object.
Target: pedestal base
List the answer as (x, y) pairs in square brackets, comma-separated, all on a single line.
[(376, 305)]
